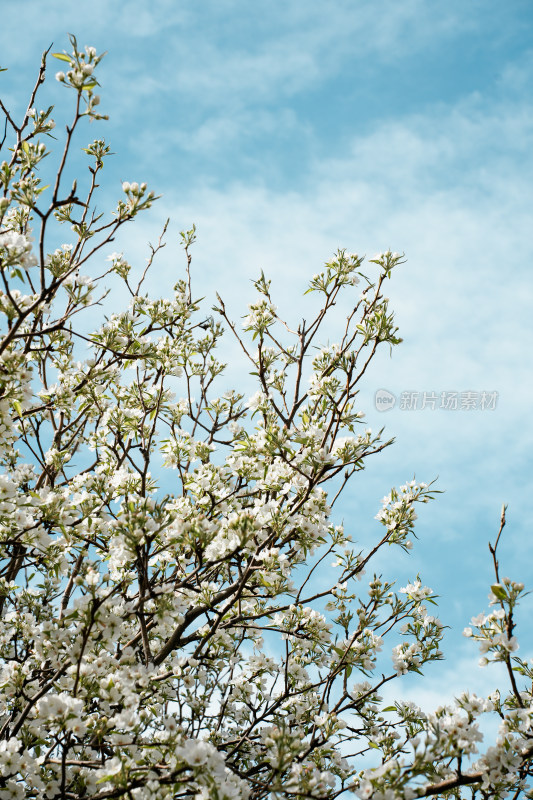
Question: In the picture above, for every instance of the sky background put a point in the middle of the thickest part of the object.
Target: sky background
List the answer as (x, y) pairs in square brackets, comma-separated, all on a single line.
[(285, 130)]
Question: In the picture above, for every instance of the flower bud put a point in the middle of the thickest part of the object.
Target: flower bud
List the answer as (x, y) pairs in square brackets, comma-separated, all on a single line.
[(126, 186), (60, 76)]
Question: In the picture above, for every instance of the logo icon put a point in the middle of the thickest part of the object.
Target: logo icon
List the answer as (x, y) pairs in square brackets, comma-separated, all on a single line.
[(384, 400)]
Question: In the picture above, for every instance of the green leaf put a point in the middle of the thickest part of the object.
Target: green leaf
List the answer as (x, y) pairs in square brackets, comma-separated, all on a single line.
[(62, 57), (389, 708), (498, 590), (17, 407)]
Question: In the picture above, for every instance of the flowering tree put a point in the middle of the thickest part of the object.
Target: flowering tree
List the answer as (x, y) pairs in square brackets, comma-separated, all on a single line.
[(197, 642)]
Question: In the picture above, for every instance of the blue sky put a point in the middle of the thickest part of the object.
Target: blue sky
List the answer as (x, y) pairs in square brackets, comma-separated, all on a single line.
[(287, 129)]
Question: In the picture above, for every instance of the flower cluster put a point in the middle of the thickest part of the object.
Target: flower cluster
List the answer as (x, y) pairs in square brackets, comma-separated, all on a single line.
[(16, 249), (493, 631), (397, 513)]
